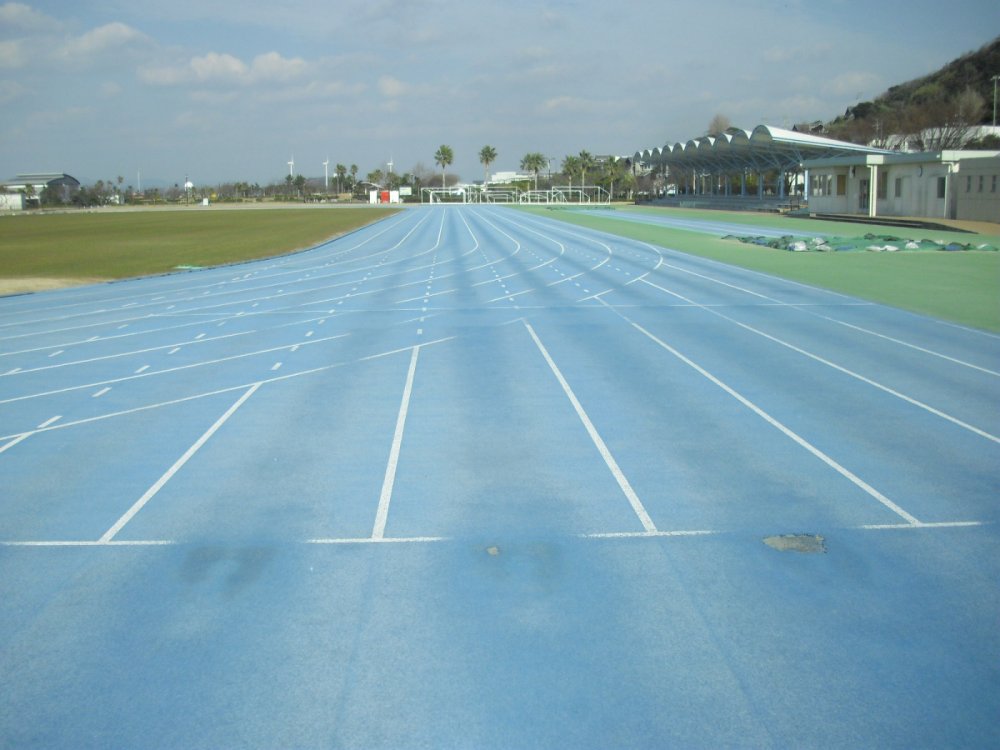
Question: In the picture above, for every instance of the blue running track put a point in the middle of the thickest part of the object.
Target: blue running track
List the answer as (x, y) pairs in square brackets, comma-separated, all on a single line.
[(470, 478)]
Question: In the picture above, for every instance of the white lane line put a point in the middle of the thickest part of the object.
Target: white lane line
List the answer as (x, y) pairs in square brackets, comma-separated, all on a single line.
[(50, 420), (799, 307), (142, 369), (56, 354), (178, 464), (101, 392), (843, 471), (174, 350), (602, 448), (907, 344), (647, 534), (382, 515), (380, 540), (17, 437), (135, 543), (168, 370), (931, 525), (276, 366), (15, 441), (839, 368)]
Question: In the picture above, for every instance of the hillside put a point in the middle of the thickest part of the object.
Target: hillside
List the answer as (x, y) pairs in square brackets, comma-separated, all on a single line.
[(956, 97)]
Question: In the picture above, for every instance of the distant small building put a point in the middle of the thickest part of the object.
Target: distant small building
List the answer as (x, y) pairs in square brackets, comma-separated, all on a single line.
[(932, 184), (30, 187)]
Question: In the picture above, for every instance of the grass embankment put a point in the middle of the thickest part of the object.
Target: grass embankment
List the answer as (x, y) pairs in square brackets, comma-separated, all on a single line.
[(49, 250), (963, 287)]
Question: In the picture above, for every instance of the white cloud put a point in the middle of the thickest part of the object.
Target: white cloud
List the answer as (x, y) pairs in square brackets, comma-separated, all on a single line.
[(109, 37), (216, 67), (21, 16), (223, 68), (273, 67), (9, 91), (12, 55), (391, 87), (855, 83)]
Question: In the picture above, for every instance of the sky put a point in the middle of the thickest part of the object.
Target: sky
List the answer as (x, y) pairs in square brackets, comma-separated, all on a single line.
[(231, 90)]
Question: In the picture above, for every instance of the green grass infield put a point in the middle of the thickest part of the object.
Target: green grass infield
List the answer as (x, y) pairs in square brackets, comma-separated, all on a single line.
[(961, 287), (60, 249)]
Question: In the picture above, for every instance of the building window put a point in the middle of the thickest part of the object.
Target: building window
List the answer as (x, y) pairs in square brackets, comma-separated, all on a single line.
[(883, 185), (981, 177), (899, 187), (942, 182), (968, 184), (841, 184)]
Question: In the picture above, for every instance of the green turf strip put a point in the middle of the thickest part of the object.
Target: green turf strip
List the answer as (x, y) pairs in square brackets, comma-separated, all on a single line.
[(122, 244), (963, 287)]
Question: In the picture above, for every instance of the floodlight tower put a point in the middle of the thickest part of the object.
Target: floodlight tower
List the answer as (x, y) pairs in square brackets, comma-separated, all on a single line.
[(291, 167), (326, 175)]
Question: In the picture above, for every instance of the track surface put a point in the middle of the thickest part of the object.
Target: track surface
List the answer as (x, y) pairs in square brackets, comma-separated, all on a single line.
[(472, 478)]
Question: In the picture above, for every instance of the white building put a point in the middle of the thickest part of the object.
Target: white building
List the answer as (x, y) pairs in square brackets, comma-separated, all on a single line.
[(30, 186), (933, 184)]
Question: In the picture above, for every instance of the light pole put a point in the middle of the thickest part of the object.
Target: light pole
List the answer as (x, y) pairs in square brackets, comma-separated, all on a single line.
[(995, 100)]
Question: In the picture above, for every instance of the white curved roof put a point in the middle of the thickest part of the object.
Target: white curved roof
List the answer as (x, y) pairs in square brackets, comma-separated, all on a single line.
[(762, 148)]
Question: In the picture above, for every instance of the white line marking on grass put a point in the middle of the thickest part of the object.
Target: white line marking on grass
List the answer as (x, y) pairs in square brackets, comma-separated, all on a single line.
[(843, 471), (838, 368), (382, 515), (178, 464), (602, 448)]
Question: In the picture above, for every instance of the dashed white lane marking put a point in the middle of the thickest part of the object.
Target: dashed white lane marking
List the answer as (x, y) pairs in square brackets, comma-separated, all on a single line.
[(142, 369), (56, 353), (276, 366), (602, 448), (159, 484), (51, 420), (100, 392), (174, 350)]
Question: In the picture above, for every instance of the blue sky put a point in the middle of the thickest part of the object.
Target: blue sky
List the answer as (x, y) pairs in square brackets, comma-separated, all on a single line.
[(221, 91)]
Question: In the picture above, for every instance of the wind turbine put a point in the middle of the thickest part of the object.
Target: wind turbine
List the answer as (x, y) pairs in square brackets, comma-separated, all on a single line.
[(326, 175)]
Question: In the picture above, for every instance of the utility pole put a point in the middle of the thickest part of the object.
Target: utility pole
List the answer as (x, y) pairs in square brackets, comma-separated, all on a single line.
[(995, 100)]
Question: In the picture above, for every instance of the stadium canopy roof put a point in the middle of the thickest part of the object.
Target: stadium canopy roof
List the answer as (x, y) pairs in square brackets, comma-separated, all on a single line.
[(762, 149)]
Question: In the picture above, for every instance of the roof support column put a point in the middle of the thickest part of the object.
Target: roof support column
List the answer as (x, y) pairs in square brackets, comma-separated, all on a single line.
[(743, 183), (873, 192)]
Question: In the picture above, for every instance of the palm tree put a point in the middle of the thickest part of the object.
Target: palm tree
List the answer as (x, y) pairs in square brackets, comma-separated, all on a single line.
[(443, 157), (534, 162), (487, 155), (341, 170), (614, 169), (354, 176), (586, 162), (571, 168)]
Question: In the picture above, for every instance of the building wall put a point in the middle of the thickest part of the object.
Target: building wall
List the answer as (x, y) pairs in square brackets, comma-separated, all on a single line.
[(977, 190), (11, 202), (908, 189)]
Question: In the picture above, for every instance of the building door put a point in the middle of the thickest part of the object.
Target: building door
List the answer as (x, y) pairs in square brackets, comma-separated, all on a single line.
[(864, 195)]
